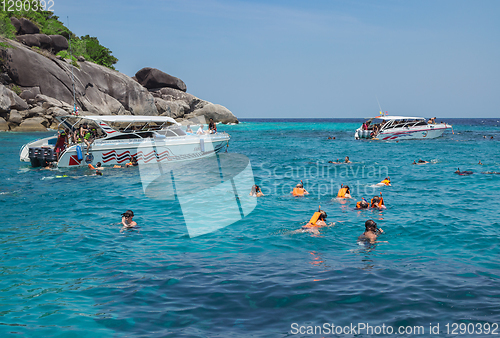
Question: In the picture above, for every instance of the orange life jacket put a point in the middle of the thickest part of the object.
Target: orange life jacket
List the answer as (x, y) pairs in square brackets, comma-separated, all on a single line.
[(380, 203), (358, 205), (386, 182), (298, 192), (342, 193)]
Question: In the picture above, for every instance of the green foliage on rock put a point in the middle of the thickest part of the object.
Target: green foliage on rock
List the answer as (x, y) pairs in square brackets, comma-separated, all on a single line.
[(6, 28), (49, 24), (65, 55)]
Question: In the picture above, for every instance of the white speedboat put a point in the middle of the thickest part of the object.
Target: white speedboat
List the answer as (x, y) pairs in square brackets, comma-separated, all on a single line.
[(118, 139), (399, 128)]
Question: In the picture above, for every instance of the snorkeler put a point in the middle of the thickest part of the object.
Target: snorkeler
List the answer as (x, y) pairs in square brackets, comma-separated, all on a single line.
[(465, 172), (317, 220), (363, 204), (98, 166), (344, 192), (386, 181), (480, 162), (127, 219), (256, 192), (299, 190), (346, 160), (377, 202), (336, 162), (371, 232)]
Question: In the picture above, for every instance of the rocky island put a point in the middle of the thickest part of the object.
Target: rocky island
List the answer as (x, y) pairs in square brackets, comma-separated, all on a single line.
[(37, 84)]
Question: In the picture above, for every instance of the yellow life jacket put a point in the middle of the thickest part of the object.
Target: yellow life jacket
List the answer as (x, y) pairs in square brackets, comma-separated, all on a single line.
[(315, 218), (386, 182), (342, 193)]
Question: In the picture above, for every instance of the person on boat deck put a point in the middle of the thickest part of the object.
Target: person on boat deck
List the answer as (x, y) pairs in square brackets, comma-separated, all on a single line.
[(127, 219), (363, 204), (318, 220), (386, 181), (212, 127), (377, 202), (200, 130), (256, 192), (371, 232), (299, 190), (365, 126), (61, 143), (188, 129), (347, 160), (344, 192)]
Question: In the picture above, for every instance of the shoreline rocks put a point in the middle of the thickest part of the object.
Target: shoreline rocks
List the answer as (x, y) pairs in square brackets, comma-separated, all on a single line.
[(36, 87)]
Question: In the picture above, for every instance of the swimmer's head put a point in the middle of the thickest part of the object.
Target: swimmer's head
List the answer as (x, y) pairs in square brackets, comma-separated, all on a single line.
[(370, 225), (323, 214), (99, 164), (300, 185)]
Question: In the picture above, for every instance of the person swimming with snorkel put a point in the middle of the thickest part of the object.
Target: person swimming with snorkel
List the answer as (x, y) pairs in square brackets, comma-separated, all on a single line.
[(299, 190), (371, 233), (344, 192)]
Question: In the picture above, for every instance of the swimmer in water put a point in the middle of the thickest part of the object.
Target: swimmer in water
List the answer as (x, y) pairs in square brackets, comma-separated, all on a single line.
[(377, 202), (386, 181), (337, 162), (98, 166), (344, 192), (299, 190), (256, 192), (371, 233), (98, 173), (127, 219), (480, 162), (420, 161), (318, 220), (363, 204), (347, 160)]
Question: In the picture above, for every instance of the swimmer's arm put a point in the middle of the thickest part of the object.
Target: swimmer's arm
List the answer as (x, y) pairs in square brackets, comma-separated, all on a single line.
[(305, 192), (124, 222)]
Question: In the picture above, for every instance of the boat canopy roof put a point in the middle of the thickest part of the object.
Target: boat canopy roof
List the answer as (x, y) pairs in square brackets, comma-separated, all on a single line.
[(397, 118), (127, 118)]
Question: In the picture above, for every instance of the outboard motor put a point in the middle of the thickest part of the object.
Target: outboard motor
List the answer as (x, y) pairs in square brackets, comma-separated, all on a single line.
[(41, 157), (49, 154), (33, 155)]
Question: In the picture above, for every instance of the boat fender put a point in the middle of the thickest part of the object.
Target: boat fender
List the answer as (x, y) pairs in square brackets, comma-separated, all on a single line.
[(79, 153)]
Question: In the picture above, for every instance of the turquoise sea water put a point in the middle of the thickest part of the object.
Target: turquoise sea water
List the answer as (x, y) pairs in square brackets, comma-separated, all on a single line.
[(68, 271)]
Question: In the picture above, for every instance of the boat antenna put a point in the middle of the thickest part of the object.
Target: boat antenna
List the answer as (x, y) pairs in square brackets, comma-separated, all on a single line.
[(379, 107), (75, 112)]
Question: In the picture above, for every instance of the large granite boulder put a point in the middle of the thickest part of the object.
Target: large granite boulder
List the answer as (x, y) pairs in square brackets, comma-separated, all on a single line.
[(32, 124), (28, 27), (58, 43), (16, 23), (45, 40), (154, 78), (9, 100), (99, 90), (3, 125), (29, 40), (215, 111)]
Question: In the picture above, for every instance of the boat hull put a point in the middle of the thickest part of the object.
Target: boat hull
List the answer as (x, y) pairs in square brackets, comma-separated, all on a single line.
[(417, 133), (145, 151)]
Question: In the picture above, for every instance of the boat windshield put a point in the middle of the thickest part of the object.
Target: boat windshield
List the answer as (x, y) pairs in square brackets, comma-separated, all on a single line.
[(403, 123)]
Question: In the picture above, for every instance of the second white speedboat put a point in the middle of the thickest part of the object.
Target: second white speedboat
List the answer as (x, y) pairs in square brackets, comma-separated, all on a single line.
[(389, 128)]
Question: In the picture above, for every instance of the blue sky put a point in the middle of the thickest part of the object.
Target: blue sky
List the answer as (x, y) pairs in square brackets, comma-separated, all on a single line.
[(310, 58)]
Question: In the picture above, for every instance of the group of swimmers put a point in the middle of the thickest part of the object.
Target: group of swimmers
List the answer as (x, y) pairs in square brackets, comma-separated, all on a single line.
[(346, 160), (98, 167)]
